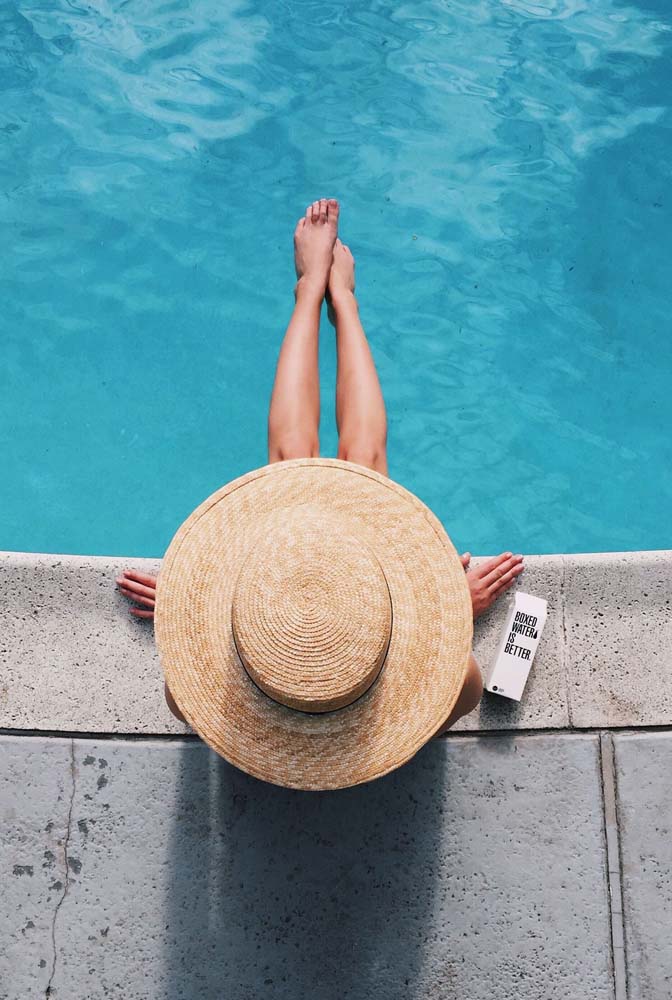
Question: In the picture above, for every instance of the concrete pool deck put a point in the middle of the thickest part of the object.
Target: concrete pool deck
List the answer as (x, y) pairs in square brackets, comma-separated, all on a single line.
[(525, 855)]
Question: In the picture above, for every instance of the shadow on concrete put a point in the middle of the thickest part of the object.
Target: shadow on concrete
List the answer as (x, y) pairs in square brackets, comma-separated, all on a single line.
[(497, 712), (502, 714), (286, 894)]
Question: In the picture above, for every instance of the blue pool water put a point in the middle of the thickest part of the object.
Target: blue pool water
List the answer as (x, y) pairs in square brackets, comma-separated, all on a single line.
[(504, 171)]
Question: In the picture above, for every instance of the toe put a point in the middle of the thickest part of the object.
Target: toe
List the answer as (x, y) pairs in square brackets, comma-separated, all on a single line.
[(299, 226), (332, 209), (315, 215), (309, 213), (323, 209)]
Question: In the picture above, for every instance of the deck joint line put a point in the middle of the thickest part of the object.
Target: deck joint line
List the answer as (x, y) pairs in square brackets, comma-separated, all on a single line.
[(565, 651), (613, 866), (66, 877), (627, 729)]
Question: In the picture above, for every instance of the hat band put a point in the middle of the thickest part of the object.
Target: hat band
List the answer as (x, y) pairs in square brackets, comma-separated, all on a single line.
[(311, 613)]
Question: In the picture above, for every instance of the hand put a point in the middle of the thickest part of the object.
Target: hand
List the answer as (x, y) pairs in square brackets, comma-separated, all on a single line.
[(491, 579), (141, 588)]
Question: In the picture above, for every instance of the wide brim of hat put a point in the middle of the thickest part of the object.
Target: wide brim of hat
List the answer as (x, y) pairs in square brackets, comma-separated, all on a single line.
[(427, 657)]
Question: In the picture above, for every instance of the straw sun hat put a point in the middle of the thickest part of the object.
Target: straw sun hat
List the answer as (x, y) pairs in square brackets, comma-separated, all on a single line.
[(314, 623)]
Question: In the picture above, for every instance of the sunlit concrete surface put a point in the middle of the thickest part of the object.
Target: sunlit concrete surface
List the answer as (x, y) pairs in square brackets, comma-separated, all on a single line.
[(74, 659), (643, 768), (501, 862), (143, 870)]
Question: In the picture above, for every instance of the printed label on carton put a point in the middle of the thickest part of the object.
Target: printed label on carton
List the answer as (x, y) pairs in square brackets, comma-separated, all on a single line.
[(518, 646)]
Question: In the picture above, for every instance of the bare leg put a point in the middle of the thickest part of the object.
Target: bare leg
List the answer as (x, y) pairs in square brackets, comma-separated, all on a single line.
[(470, 695), (172, 704), (294, 413), (360, 408)]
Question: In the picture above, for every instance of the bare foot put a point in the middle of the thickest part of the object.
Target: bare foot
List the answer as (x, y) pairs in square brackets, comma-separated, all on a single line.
[(314, 239), (490, 580), (341, 277)]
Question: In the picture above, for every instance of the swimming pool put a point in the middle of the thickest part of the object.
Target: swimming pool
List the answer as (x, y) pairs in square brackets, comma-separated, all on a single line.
[(503, 169)]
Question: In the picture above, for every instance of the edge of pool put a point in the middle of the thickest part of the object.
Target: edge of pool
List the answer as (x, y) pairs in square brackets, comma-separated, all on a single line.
[(74, 660)]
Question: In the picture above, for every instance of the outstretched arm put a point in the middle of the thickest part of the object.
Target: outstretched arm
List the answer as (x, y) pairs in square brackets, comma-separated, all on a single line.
[(470, 695), (172, 705), (486, 584), (141, 587), (492, 579)]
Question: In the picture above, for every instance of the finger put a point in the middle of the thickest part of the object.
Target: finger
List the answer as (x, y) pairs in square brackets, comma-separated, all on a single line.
[(136, 588), (138, 593), (142, 614), (144, 601), (507, 580), (139, 598), (134, 574), (502, 566), (503, 572), (491, 564), (465, 559)]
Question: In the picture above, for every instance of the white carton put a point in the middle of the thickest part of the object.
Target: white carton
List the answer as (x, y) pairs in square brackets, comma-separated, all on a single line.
[(518, 646)]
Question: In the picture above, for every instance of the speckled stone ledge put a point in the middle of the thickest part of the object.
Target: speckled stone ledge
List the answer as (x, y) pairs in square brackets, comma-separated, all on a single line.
[(74, 659)]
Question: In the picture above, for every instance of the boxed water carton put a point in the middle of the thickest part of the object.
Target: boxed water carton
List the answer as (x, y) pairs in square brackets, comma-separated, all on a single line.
[(519, 644)]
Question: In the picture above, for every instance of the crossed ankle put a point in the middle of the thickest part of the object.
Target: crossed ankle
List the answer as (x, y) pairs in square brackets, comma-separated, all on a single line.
[(309, 286), (342, 298)]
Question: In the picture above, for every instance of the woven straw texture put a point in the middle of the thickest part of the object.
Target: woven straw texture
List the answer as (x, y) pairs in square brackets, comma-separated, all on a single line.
[(314, 623)]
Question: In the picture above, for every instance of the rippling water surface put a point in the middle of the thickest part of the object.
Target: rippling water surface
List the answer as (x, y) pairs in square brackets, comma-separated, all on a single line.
[(504, 169)]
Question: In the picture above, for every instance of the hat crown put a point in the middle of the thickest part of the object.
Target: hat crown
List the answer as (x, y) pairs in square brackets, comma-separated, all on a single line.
[(311, 612)]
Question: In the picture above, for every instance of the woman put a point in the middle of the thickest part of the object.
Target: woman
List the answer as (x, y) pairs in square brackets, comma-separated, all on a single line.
[(325, 268)]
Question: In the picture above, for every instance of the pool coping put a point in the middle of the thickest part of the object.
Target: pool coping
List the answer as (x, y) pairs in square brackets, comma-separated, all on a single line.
[(75, 660)]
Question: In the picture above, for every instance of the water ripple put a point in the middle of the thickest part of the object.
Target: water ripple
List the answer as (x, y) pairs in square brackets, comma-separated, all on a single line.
[(502, 168)]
